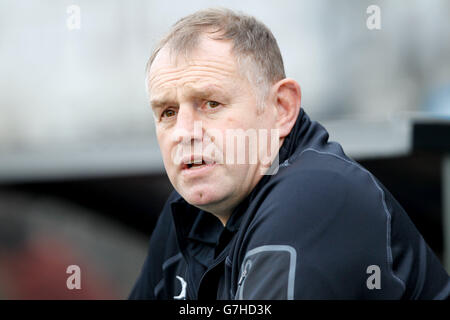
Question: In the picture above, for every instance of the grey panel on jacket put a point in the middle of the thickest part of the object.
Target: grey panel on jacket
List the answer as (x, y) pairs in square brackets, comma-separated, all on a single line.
[(268, 272)]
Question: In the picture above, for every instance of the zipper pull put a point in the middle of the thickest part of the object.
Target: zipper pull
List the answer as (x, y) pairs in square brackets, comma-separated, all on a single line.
[(243, 275), (247, 267)]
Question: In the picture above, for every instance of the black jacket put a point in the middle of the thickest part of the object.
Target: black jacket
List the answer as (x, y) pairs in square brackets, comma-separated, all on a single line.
[(323, 227)]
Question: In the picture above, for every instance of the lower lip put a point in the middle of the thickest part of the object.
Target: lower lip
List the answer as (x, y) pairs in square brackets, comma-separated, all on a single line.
[(195, 171)]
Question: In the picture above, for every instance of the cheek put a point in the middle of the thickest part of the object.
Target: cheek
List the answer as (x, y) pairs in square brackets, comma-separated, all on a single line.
[(231, 125), (164, 147)]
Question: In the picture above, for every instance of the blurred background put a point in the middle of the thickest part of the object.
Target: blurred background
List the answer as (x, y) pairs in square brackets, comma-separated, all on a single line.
[(81, 177)]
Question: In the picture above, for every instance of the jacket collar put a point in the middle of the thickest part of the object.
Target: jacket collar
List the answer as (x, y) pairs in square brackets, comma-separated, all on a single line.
[(192, 223), (305, 134)]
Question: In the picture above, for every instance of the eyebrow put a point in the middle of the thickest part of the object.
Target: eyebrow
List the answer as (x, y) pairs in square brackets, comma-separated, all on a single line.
[(203, 92), (158, 103)]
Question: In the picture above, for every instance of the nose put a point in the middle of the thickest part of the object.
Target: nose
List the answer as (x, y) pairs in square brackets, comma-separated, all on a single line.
[(188, 128)]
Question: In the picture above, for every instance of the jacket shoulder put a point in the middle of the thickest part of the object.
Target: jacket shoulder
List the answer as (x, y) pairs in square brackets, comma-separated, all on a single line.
[(329, 210)]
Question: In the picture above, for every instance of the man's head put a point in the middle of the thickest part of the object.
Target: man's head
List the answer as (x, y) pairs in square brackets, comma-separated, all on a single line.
[(253, 45), (217, 76)]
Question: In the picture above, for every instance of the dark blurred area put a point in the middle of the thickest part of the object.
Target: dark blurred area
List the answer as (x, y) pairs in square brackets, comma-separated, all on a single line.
[(93, 224), (131, 201)]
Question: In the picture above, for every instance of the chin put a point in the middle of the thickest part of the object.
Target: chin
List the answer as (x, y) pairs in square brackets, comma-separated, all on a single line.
[(202, 198)]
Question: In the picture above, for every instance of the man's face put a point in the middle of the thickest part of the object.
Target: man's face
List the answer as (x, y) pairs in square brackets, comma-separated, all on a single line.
[(197, 102)]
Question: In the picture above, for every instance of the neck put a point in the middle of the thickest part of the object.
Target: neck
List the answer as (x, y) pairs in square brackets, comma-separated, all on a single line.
[(220, 213)]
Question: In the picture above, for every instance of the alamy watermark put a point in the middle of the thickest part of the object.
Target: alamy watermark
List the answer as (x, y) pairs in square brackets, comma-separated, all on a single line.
[(374, 280), (74, 280), (373, 22), (73, 21), (232, 146)]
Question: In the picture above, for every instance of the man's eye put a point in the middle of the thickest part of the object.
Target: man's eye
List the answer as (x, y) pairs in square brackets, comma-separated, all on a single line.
[(168, 113), (212, 104)]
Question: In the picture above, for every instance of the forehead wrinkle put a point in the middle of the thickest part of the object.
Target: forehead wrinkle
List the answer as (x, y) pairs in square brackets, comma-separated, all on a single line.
[(170, 73), (180, 78), (191, 75), (221, 66), (201, 89)]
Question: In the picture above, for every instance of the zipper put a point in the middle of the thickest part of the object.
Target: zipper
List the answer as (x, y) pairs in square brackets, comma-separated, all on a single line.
[(220, 259)]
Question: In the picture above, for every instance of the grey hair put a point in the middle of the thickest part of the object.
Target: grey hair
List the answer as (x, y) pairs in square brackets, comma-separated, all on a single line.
[(254, 46)]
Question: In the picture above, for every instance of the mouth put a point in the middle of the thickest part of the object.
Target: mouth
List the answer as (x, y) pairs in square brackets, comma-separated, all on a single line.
[(194, 165), (189, 165)]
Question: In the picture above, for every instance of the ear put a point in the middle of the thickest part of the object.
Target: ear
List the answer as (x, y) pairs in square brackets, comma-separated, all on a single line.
[(287, 98)]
